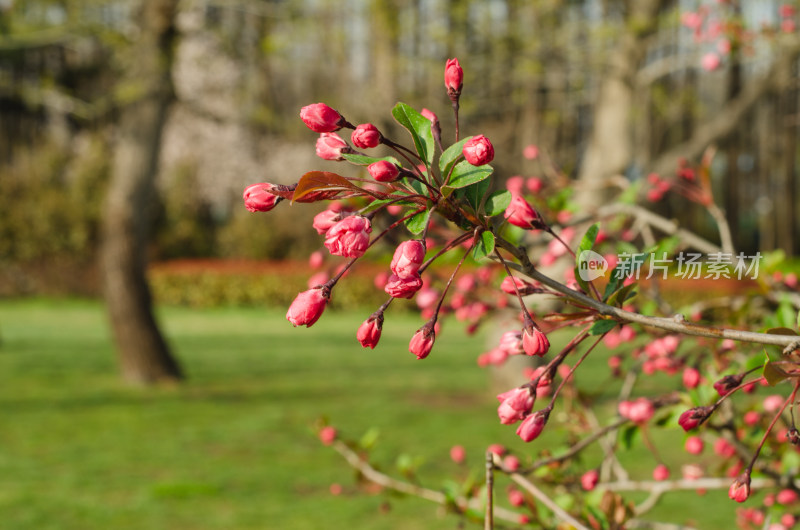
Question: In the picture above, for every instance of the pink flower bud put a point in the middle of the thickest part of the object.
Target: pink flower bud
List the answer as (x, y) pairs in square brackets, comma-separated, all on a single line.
[(590, 479), (740, 489), (692, 20), (661, 472), (507, 286), (349, 237), (710, 62), (691, 377), (511, 463), (786, 496), (422, 342), (497, 449), (321, 118), (534, 342), (327, 435), (317, 279), (365, 136), (308, 307), (316, 259), (535, 185), (458, 454), (369, 332), (639, 410), (330, 146), (520, 213), (723, 448), (511, 343), (516, 497), (515, 184), (258, 199), (515, 405), (453, 77), (533, 425), (430, 115), (694, 417), (531, 152), (773, 403), (403, 287), (383, 171), (728, 383), (427, 298), (323, 221), (407, 258), (694, 445), (478, 150)]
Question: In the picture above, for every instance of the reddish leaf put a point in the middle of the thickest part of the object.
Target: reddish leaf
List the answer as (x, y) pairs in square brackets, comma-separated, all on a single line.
[(321, 185)]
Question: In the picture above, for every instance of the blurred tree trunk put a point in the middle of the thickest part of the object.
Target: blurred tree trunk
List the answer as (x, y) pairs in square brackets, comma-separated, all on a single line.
[(610, 149), (143, 352)]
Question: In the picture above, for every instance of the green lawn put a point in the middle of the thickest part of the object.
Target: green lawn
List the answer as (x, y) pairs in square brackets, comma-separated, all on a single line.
[(234, 447)]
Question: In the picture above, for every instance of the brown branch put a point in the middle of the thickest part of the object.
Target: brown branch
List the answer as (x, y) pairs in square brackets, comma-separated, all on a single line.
[(682, 484), (383, 480), (677, 324), (543, 498)]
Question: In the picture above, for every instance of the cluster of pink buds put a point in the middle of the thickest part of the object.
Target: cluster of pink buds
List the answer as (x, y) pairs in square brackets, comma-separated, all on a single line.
[(403, 190)]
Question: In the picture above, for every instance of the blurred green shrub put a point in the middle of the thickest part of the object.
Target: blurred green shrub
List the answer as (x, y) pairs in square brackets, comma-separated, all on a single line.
[(51, 202), (275, 289)]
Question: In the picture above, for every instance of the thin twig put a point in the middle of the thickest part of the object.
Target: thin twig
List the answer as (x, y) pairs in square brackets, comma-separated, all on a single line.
[(544, 499), (488, 523), (710, 483), (383, 480)]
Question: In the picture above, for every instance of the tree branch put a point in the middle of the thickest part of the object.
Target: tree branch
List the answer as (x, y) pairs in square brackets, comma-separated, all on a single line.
[(677, 324), (544, 499), (381, 479), (724, 121)]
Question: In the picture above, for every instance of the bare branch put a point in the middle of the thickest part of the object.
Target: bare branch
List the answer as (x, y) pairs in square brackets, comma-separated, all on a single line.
[(544, 499), (678, 324), (381, 479)]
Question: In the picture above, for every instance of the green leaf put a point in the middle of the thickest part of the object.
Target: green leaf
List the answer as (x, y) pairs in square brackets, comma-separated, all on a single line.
[(753, 362), (418, 187), (589, 238), (622, 295), (420, 128), (370, 438), (584, 285), (629, 435), (497, 203), (363, 160), (474, 193), (790, 461), (483, 246), (613, 283), (416, 225), (465, 174), (376, 204), (785, 314), (602, 326), (450, 155)]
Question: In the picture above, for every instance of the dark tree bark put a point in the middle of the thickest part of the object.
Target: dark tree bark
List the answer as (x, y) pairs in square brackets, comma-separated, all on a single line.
[(143, 353)]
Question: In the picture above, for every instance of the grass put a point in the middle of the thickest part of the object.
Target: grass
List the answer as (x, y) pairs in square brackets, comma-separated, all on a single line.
[(234, 447)]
